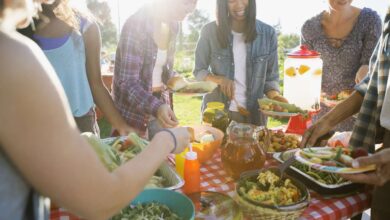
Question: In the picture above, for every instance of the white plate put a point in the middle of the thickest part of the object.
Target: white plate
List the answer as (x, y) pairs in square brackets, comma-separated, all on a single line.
[(278, 114), (277, 156), (330, 103), (330, 169), (190, 94)]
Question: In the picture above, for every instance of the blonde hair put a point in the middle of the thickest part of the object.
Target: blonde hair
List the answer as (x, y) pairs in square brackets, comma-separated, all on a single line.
[(67, 14)]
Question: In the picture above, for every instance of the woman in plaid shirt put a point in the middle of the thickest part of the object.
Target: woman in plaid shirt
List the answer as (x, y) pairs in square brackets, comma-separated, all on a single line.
[(42, 152), (372, 97), (144, 62)]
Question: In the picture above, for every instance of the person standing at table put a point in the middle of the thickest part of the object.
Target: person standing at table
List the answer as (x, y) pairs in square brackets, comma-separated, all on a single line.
[(144, 64), (40, 146), (71, 41), (372, 97), (346, 37), (239, 53)]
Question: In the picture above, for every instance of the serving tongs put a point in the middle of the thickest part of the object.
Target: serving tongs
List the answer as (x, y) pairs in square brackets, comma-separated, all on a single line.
[(286, 164)]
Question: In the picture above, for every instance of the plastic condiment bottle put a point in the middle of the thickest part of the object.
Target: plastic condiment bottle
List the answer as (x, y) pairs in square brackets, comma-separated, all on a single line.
[(179, 163), (191, 173)]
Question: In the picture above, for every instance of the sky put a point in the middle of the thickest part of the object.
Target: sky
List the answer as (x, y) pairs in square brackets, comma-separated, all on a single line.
[(290, 14)]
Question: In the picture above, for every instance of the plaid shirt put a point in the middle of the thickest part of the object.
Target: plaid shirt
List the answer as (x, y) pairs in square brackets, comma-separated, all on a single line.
[(367, 128), (134, 64)]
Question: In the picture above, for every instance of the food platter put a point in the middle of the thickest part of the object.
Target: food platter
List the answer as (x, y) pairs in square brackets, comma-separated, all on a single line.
[(270, 107), (192, 94), (278, 114), (184, 87), (312, 157), (333, 100), (326, 184), (166, 174), (279, 141)]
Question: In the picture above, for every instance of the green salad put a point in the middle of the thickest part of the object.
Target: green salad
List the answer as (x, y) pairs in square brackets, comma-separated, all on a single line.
[(120, 151), (323, 177), (147, 211)]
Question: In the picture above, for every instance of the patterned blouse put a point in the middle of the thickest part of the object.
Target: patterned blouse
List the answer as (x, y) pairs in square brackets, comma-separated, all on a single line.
[(341, 64)]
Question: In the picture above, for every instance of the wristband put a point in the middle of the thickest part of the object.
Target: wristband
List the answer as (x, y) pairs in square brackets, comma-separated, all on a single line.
[(174, 139)]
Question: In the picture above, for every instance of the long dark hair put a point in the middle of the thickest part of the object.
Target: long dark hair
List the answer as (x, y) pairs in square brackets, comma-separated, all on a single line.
[(224, 22)]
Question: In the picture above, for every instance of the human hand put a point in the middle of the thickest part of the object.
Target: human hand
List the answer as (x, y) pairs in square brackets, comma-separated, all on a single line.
[(359, 77), (280, 98), (166, 116), (227, 87), (182, 136), (382, 174), (319, 129), (361, 73)]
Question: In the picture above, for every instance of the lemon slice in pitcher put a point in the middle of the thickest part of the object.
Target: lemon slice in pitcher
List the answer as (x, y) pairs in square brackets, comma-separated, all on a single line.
[(303, 69)]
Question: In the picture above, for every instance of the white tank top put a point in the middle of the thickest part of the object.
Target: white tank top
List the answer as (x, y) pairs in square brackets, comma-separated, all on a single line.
[(239, 53), (161, 60)]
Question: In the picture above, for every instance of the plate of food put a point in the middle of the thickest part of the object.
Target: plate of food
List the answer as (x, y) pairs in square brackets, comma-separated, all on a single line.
[(185, 87), (332, 159), (279, 141), (325, 183), (263, 194), (271, 107), (333, 100)]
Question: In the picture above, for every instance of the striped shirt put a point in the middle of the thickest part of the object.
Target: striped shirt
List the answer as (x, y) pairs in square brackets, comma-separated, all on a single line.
[(367, 128)]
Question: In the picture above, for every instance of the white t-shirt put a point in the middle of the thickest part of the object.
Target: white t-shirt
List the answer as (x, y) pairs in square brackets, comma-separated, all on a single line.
[(161, 60), (239, 55), (385, 114)]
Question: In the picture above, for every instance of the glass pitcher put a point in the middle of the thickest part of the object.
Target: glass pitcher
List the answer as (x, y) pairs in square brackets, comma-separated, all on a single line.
[(242, 151)]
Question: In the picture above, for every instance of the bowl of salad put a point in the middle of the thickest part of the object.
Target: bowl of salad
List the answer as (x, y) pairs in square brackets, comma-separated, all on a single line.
[(156, 204), (262, 194)]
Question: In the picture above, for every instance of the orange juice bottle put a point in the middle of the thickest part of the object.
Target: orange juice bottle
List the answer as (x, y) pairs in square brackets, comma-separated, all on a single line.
[(191, 173)]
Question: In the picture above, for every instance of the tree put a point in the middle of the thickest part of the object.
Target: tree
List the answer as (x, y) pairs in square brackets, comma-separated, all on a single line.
[(184, 57), (101, 10), (195, 23), (286, 42)]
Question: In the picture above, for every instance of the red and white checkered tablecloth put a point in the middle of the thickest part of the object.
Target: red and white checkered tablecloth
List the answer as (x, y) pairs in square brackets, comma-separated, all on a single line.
[(214, 178)]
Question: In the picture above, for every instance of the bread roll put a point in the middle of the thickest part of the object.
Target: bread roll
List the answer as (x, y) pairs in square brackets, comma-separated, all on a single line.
[(177, 83)]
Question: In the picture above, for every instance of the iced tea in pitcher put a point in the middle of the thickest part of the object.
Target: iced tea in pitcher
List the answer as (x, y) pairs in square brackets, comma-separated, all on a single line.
[(242, 151)]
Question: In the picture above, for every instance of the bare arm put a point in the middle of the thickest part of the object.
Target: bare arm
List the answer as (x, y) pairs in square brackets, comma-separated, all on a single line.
[(345, 109), (100, 93), (40, 137)]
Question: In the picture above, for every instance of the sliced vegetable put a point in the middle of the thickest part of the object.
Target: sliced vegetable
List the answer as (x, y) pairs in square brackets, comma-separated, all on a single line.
[(289, 107), (147, 211), (106, 155)]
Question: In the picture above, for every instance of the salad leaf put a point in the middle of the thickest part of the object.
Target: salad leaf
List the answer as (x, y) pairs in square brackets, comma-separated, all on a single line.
[(147, 211)]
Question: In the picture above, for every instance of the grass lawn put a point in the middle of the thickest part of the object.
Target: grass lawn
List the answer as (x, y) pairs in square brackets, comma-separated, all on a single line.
[(187, 110)]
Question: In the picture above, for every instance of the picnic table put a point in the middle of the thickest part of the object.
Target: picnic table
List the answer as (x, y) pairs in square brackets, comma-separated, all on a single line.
[(214, 178)]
